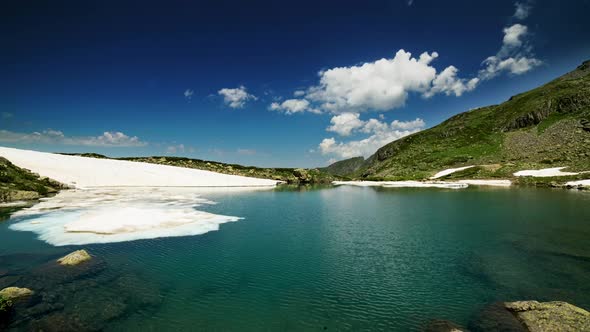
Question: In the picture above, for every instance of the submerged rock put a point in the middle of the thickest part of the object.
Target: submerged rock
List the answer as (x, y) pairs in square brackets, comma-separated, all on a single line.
[(438, 325), (550, 316), (13, 293), (75, 258)]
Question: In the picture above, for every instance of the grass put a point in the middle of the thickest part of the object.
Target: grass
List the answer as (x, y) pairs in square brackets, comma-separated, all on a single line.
[(541, 128)]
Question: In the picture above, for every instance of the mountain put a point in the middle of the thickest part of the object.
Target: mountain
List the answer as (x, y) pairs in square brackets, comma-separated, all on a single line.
[(545, 127), (345, 167)]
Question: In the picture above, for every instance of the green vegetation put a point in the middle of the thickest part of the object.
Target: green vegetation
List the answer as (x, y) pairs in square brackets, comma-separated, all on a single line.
[(5, 305), (20, 184), (546, 127), (289, 175), (344, 167)]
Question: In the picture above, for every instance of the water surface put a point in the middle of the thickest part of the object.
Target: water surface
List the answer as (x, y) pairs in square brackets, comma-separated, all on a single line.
[(329, 259)]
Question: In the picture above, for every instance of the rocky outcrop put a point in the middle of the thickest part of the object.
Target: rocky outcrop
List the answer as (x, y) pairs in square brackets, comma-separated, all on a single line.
[(14, 293), (75, 258), (531, 316), (19, 184), (550, 316)]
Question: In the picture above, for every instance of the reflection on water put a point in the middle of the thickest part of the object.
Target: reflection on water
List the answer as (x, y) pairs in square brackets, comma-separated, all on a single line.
[(336, 259)]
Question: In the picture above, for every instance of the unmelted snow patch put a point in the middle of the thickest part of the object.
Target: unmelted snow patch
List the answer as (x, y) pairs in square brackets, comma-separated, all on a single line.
[(77, 217)]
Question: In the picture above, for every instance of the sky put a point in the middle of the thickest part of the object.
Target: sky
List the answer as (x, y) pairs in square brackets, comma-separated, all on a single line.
[(268, 83)]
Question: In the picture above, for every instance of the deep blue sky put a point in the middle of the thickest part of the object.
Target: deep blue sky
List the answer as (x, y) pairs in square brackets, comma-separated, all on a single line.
[(84, 68)]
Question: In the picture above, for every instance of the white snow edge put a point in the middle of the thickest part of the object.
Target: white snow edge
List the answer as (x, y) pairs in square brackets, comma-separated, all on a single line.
[(83, 172)]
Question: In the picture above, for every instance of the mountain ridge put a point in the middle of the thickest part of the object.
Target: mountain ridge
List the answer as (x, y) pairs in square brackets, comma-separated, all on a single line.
[(543, 127)]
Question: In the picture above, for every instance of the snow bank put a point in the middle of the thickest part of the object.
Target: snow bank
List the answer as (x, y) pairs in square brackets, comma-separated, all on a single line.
[(403, 184), (83, 172), (546, 172), (449, 171), (103, 215), (494, 183)]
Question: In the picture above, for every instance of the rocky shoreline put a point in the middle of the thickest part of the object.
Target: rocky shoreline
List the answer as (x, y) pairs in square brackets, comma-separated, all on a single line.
[(521, 316)]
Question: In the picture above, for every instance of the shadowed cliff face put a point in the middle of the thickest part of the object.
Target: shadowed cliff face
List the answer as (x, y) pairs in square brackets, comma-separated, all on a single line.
[(549, 125)]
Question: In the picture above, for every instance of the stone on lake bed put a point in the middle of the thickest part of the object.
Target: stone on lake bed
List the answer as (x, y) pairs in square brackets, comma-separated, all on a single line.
[(75, 258), (13, 293)]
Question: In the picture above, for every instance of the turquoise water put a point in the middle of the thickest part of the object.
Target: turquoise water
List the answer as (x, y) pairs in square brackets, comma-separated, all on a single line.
[(328, 259)]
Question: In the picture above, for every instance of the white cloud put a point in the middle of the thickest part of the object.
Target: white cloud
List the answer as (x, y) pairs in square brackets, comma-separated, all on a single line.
[(513, 35), (236, 98), (448, 83), (516, 66), (522, 10), (380, 134), (107, 139), (345, 123), (188, 94), (513, 57), (172, 149), (386, 84), (292, 106), (381, 85)]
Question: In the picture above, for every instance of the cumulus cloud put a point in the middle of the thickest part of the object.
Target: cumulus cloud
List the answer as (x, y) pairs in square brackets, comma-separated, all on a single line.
[(514, 57), (345, 123), (513, 35), (49, 136), (292, 106), (236, 98), (381, 85), (522, 10), (188, 94), (381, 133), (448, 83), (386, 84)]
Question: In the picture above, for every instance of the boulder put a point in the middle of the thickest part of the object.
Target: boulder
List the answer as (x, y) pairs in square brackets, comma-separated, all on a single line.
[(13, 293), (75, 258), (550, 316)]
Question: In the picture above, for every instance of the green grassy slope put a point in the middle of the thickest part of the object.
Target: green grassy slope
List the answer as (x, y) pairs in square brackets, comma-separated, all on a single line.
[(546, 127), (344, 167), (20, 184)]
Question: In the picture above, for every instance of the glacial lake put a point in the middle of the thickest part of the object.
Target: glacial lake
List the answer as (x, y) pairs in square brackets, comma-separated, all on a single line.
[(318, 259)]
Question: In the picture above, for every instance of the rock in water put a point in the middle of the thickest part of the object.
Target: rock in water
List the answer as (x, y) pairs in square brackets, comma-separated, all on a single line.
[(550, 316), (437, 325), (75, 258), (13, 293)]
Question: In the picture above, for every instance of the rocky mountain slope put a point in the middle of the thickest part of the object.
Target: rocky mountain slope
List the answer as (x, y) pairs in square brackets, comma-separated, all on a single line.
[(20, 184), (545, 127)]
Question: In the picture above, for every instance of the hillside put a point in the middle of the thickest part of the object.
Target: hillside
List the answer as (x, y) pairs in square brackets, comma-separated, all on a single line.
[(345, 167), (545, 127), (20, 184)]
